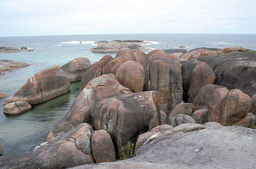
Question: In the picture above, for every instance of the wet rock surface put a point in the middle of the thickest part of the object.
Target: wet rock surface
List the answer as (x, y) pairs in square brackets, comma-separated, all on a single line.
[(9, 65)]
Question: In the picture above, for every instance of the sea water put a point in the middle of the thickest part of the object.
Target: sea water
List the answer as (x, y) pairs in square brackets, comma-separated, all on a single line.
[(22, 133)]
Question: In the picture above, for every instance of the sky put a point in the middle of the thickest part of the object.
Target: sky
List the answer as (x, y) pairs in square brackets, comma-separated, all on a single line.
[(64, 17)]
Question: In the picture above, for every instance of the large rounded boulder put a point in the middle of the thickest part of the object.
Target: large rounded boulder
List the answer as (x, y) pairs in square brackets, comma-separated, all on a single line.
[(75, 68), (43, 86), (97, 89), (131, 75), (123, 55), (94, 70), (195, 75), (163, 74), (102, 147), (125, 116), (225, 107)]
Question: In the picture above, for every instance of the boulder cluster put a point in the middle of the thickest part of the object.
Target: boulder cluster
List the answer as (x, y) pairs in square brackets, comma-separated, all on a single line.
[(127, 101)]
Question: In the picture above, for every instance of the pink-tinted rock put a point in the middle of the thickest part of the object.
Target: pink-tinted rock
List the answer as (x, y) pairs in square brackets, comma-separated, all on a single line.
[(247, 121), (75, 68), (201, 116), (94, 70), (182, 108), (131, 75), (97, 89), (195, 75), (102, 147), (43, 86), (140, 56), (125, 116), (17, 107), (163, 74)]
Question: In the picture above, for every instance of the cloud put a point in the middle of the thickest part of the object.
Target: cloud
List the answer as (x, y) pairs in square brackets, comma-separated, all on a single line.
[(42, 17)]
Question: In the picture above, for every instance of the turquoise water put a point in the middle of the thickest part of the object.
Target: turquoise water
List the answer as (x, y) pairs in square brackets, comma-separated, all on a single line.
[(22, 133)]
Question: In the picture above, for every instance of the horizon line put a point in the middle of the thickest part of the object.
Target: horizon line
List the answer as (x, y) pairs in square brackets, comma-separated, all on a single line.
[(129, 34)]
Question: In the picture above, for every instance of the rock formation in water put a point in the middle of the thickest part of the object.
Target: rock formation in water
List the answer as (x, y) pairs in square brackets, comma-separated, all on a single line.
[(156, 109), (14, 50), (116, 45), (9, 65)]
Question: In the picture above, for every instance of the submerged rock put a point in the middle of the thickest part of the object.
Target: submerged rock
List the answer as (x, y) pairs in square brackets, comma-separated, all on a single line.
[(17, 107), (10, 65), (15, 50), (2, 95), (75, 68)]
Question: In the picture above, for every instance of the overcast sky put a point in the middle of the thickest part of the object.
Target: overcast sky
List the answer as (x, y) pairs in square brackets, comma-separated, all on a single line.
[(57, 17)]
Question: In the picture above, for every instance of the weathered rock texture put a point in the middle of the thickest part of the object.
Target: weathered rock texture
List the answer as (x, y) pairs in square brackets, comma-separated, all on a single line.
[(122, 56), (73, 149), (17, 107), (94, 70), (115, 46), (131, 75), (2, 95), (15, 50), (75, 68), (102, 147), (181, 119), (210, 148), (43, 86), (225, 107), (97, 89), (125, 116), (235, 70), (9, 65), (163, 74), (195, 75)]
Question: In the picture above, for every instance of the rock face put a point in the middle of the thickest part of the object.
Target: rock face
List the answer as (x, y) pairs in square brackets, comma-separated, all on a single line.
[(9, 65), (42, 87), (125, 116), (248, 121), (195, 75), (241, 70), (225, 107), (94, 70), (201, 116), (15, 108), (75, 68), (115, 46), (131, 75), (122, 56), (181, 119), (102, 147), (182, 108), (140, 56), (97, 89), (210, 148), (163, 74), (73, 149), (14, 50), (0, 150)]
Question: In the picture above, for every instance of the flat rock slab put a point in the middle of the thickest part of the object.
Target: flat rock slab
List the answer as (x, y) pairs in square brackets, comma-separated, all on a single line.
[(210, 148), (10, 65)]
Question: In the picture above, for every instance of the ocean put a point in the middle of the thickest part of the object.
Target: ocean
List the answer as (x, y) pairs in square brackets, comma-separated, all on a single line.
[(22, 133)]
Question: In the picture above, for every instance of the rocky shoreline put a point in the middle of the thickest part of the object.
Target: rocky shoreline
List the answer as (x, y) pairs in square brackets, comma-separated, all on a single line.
[(150, 110), (15, 50), (10, 65), (116, 45)]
